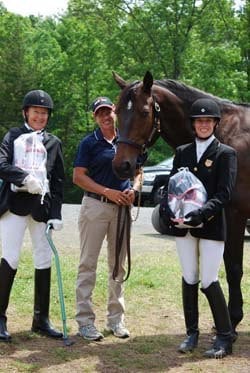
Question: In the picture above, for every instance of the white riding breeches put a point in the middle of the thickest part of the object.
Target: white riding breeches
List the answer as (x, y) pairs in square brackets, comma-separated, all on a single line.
[(199, 255), (12, 228)]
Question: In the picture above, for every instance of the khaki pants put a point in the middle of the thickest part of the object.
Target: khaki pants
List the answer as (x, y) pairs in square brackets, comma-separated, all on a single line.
[(96, 220)]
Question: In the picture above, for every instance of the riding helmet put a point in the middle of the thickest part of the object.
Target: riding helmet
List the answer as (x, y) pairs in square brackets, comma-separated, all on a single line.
[(38, 98), (205, 107)]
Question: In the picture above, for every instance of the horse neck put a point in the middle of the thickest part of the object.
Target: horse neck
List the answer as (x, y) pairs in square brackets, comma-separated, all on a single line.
[(175, 125)]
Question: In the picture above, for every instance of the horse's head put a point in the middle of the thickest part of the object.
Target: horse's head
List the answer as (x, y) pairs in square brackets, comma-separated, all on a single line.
[(138, 123)]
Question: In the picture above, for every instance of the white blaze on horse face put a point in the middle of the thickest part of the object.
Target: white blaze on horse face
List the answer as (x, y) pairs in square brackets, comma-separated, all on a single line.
[(129, 106)]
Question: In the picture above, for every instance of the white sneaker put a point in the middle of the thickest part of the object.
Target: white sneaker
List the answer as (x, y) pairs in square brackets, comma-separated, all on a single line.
[(90, 333), (118, 330)]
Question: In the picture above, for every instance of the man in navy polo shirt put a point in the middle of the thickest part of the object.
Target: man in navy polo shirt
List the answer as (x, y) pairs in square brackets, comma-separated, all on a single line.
[(103, 195)]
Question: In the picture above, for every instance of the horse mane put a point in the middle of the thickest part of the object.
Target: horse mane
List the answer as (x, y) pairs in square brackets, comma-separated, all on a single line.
[(187, 93), (190, 94)]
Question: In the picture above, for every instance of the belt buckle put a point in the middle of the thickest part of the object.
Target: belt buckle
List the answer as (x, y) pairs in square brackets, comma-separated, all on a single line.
[(103, 199)]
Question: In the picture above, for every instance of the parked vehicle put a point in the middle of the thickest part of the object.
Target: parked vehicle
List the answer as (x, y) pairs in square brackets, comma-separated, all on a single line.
[(155, 177)]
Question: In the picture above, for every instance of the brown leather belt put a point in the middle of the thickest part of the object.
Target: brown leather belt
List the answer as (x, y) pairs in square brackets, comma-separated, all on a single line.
[(98, 197)]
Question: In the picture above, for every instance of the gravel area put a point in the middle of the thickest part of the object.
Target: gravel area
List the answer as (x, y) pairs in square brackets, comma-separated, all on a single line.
[(143, 235)]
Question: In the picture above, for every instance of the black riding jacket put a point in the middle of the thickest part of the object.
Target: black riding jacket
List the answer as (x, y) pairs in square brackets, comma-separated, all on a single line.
[(217, 170), (23, 203)]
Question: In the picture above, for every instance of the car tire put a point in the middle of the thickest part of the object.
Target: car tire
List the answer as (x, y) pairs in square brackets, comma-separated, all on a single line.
[(156, 221)]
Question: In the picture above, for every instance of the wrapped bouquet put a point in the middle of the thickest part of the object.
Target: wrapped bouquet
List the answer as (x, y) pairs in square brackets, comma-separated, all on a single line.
[(185, 194)]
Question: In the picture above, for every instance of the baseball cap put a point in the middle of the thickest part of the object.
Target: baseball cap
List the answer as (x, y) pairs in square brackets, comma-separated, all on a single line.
[(101, 102)]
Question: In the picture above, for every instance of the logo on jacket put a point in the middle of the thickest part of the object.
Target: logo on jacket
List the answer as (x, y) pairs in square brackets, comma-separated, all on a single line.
[(208, 162)]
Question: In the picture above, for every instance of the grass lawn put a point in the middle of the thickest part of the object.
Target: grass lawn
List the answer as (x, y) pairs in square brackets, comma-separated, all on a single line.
[(153, 315)]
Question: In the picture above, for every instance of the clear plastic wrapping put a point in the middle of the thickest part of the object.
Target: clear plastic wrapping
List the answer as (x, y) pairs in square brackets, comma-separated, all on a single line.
[(30, 155), (185, 194)]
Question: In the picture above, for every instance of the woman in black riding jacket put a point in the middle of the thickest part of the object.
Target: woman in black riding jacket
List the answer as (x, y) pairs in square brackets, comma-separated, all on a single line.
[(200, 247), (27, 200)]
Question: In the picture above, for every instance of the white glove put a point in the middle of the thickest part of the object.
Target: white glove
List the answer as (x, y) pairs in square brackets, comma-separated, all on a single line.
[(34, 186), (56, 224)]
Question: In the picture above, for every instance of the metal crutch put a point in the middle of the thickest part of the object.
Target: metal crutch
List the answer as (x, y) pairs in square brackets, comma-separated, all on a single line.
[(66, 340)]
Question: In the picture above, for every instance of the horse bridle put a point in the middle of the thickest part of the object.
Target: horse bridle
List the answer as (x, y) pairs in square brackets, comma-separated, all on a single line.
[(126, 221), (156, 127)]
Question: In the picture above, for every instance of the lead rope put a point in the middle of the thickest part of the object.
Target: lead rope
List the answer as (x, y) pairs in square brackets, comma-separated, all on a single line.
[(136, 216), (122, 223)]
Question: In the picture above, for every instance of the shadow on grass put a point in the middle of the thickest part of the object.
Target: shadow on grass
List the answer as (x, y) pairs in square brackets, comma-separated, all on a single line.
[(149, 353)]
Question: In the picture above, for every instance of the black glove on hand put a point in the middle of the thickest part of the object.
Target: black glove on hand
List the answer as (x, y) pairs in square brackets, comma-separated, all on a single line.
[(194, 218), (165, 212)]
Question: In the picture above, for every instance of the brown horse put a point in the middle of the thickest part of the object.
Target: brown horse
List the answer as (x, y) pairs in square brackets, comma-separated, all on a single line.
[(148, 109)]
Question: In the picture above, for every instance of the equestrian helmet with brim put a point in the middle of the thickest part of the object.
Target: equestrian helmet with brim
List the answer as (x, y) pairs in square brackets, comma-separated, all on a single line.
[(38, 98), (205, 107)]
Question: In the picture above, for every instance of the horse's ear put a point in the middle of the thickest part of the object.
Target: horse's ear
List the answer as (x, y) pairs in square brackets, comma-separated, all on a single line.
[(122, 84), (147, 82)]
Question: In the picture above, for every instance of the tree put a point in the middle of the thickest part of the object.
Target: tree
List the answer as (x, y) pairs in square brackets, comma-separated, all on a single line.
[(213, 60), (14, 76), (203, 43), (244, 42)]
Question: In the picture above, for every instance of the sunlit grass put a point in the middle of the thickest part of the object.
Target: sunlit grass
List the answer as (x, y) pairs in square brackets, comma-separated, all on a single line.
[(153, 314)]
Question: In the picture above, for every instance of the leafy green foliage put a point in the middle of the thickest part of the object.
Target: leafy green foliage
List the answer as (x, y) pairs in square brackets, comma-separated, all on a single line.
[(203, 43)]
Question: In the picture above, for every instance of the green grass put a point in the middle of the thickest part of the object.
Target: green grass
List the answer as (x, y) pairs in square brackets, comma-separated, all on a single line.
[(153, 314), (149, 275), (154, 279)]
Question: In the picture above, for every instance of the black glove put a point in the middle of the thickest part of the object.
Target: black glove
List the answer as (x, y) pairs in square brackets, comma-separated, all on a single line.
[(165, 212), (194, 218)]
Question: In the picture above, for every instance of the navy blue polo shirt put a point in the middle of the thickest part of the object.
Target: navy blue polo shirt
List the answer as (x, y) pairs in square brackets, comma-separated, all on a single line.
[(96, 154)]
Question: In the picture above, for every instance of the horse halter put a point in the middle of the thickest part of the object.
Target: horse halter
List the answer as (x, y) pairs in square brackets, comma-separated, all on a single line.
[(156, 127)]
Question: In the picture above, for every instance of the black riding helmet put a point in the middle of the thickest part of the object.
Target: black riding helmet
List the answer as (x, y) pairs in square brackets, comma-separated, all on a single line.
[(205, 107), (38, 98)]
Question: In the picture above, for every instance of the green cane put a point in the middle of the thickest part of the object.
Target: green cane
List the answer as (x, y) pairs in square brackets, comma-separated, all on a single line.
[(66, 340)]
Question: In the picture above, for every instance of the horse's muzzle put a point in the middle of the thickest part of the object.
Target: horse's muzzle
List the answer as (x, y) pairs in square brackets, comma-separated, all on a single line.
[(123, 170)]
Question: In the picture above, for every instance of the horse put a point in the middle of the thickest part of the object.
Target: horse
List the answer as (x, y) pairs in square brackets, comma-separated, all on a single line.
[(151, 108)]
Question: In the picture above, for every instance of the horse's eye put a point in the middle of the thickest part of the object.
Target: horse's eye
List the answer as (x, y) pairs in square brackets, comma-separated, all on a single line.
[(145, 113)]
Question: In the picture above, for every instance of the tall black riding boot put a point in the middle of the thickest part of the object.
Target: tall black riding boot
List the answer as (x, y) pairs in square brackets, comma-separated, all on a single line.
[(7, 275), (191, 314), (41, 323), (222, 345)]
